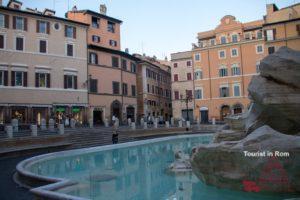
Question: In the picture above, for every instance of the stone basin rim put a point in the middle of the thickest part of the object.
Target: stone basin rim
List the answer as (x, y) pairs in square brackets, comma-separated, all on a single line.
[(48, 190)]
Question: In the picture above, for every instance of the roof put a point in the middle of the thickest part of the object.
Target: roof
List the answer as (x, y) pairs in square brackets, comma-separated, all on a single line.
[(113, 51), (42, 15), (98, 15)]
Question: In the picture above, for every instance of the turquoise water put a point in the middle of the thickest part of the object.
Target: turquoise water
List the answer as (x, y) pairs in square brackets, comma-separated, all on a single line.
[(137, 173)]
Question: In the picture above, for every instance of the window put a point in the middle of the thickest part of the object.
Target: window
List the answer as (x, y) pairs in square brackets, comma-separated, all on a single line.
[(70, 50), (259, 34), (212, 42), (70, 32), (42, 27), (257, 67), (223, 40), (200, 44), (125, 89), (2, 42), (189, 93), (19, 23), (298, 29), (234, 38), (19, 78), (95, 38), (95, 22), (3, 78), (70, 81), (259, 49), (222, 54), (42, 80), (189, 63), (116, 87), (19, 43), (110, 27), (271, 50), (176, 95), (175, 77), (236, 90), (175, 65), (198, 93), (189, 76), (153, 89), (234, 52), (133, 90), (93, 58), (270, 34), (93, 85), (235, 70), (197, 57), (115, 61), (198, 74), (223, 72), (247, 36), (4, 21), (148, 88), (133, 67), (43, 46), (113, 43), (224, 91), (124, 64)]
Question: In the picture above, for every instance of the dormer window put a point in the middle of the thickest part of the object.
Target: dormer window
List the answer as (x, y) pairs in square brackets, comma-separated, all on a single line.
[(14, 4)]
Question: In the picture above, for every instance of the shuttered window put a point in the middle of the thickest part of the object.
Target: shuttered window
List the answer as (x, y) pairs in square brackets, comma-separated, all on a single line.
[(93, 85), (42, 27), (4, 78), (42, 80), (116, 87), (70, 32), (1, 41), (70, 50), (19, 78), (19, 44), (70, 81), (115, 61), (43, 46)]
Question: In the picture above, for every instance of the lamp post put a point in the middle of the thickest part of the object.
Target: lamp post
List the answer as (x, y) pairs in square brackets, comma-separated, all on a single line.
[(187, 99)]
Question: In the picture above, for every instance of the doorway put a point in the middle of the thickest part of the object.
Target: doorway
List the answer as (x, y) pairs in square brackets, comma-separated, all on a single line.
[(98, 120), (116, 109), (225, 111), (130, 113), (204, 115)]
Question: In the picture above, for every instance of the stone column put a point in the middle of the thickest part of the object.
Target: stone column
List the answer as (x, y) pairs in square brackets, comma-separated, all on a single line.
[(15, 125), (9, 131), (43, 124), (51, 125), (33, 128), (133, 126), (167, 124), (180, 123), (145, 125), (61, 129)]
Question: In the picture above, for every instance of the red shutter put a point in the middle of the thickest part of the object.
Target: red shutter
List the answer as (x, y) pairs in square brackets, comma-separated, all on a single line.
[(25, 24), (5, 78), (48, 81), (14, 22), (25, 79), (75, 82), (6, 21), (13, 78), (37, 81), (37, 26), (65, 81), (74, 32), (48, 27)]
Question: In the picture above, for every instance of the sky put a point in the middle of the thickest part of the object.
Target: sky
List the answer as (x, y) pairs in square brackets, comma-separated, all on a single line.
[(162, 27)]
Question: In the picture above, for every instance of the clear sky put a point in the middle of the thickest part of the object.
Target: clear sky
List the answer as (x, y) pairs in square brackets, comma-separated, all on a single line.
[(161, 27)]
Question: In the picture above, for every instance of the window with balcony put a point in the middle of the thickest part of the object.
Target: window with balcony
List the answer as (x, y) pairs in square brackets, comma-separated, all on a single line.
[(116, 87), (70, 81), (223, 72), (236, 90), (224, 91), (95, 22), (93, 58), (223, 40), (110, 27), (234, 38), (222, 54), (198, 93), (235, 70), (198, 75), (43, 46), (234, 52), (42, 80)]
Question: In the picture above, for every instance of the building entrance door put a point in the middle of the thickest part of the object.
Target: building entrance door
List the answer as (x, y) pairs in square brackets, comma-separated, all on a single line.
[(130, 113), (225, 110), (97, 117), (116, 109)]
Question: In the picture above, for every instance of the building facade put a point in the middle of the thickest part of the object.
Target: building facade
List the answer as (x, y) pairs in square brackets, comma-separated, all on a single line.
[(111, 72), (153, 89), (39, 76), (183, 84)]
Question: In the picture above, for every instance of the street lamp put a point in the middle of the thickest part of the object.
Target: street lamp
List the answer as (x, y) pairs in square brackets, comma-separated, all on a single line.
[(187, 99)]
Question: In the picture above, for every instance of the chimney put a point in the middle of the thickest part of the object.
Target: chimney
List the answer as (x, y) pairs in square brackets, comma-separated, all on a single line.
[(14, 4), (49, 12), (74, 9), (126, 50), (271, 8), (103, 9)]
